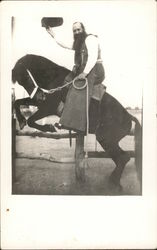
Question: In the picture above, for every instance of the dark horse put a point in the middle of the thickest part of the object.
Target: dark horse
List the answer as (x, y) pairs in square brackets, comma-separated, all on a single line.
[(109, 120)]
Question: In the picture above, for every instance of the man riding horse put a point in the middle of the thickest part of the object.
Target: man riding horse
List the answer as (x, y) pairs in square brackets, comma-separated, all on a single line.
[(108, 119), (88, 64)]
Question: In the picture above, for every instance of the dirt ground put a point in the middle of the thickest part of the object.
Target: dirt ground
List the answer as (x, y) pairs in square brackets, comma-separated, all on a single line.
[(40, 177), (44, 177)]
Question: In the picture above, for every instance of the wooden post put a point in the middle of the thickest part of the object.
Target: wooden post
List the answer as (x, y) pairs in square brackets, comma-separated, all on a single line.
[(13, 139), (13, 150), (79, 158)]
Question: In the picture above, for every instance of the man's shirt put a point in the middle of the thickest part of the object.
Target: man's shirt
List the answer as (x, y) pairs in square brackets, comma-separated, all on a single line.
[(92, 48)]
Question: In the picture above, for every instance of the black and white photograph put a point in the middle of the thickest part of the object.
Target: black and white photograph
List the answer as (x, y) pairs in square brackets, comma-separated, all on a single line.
[(95, 147), (80, 104)]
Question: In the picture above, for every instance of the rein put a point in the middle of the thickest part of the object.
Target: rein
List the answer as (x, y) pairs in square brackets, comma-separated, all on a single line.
[(51, 91)]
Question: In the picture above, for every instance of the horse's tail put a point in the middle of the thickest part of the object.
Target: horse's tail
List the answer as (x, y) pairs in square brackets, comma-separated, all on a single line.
[(138, 149)]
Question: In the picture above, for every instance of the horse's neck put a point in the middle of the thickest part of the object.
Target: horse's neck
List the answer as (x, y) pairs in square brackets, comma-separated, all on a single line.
[(41, 72), (59, 78)]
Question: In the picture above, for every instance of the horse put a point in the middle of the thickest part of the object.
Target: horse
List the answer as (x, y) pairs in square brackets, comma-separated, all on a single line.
[(108, 119)]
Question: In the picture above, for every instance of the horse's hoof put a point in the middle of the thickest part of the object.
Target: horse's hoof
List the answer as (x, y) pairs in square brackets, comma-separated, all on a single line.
[(50, 128), (114, 186), (22, 124)]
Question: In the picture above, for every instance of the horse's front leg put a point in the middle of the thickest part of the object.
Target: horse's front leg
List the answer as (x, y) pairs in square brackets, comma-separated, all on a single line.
[(21, 119), (39, 114)]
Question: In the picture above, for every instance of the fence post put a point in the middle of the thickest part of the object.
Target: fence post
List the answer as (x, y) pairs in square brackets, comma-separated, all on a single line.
[(13, 139), (79, 158)]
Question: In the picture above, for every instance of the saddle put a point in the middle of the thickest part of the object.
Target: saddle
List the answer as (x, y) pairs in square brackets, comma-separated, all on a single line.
[(98, 91), (94, 112)]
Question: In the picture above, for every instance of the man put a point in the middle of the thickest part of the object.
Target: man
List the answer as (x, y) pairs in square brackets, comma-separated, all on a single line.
[(88, 64), (114, 121)]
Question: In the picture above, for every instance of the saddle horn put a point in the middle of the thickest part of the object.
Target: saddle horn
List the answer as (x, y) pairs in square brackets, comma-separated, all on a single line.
[(51, 21)]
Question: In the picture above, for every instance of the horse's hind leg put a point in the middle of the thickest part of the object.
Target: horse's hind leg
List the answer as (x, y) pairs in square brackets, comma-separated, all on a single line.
[(119, 157), (37, 116)]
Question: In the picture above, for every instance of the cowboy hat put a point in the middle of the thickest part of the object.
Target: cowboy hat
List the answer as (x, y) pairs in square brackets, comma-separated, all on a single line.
[(51, 21)]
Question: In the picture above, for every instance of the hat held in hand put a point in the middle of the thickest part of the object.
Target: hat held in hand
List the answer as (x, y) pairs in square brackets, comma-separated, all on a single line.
[(51, 21)]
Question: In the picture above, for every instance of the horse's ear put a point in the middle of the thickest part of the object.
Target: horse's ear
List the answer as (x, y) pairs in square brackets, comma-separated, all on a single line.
[(51, 21)]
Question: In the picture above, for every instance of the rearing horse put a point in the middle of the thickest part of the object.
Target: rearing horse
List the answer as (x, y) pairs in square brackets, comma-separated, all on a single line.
[(47, 75), (109, 120)]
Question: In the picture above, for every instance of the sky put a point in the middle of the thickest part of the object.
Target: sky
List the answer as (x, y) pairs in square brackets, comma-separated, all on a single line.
[(126, 31)]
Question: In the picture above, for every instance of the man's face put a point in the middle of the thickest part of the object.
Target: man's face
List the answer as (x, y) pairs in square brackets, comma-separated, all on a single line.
[(77, 29), (79, 36)]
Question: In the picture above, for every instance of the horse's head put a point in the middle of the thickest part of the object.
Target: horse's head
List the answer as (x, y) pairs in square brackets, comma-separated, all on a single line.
[(20, 75), (35, 73), (23, 76), (17, 73)]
